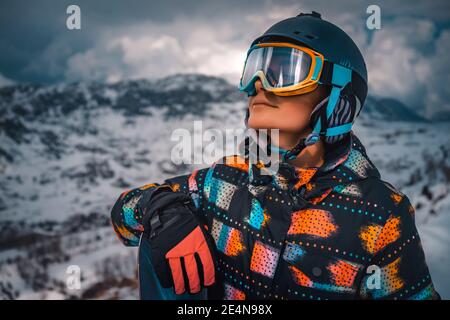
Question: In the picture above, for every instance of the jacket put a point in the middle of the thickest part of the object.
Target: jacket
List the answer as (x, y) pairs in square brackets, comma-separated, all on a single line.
[(332, 232)]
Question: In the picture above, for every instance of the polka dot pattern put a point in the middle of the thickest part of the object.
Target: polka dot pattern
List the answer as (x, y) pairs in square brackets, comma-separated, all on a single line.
[(264, 259), (357, 163), (232, 293), (314, 222), (343, 273)]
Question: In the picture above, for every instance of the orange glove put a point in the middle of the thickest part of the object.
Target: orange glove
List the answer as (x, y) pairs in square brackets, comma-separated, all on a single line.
[(190, 251), (181, 250)]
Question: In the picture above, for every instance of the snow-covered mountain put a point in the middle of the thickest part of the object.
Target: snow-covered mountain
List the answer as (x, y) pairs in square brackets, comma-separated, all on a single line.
[(68, 151), (388, 109)]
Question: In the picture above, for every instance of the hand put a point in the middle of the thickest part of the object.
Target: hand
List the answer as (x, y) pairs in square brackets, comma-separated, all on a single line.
[(181, 250)]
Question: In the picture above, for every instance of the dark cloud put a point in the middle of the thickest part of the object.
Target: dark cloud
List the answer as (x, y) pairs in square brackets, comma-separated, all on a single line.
[(30, 29)]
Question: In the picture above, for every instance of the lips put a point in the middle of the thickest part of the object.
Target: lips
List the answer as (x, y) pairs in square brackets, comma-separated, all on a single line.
[(262, 102)]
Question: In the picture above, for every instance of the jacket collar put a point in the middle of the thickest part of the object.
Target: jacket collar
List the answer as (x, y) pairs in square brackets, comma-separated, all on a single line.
[(345, 163)]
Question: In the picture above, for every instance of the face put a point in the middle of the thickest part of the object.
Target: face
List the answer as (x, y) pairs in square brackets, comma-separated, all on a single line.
[(289, 114)]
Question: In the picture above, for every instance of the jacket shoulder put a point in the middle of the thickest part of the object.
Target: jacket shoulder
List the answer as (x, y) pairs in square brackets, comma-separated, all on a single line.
[(381, 193)]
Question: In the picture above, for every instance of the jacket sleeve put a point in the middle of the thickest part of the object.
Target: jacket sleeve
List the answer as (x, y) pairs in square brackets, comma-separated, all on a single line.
[(129, 209), (398, 269)]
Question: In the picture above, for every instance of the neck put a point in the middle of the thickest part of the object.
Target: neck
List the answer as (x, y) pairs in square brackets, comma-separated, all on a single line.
[(311, 156)]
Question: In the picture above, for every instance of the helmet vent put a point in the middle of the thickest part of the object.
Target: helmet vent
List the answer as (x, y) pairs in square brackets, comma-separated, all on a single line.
[(311, 37), (301, 34)]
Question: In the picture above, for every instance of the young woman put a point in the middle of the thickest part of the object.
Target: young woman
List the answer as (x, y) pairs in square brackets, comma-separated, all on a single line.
[(322, 226)]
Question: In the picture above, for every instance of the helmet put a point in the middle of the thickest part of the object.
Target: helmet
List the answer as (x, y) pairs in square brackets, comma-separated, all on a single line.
[(344, 71), (310, 30)]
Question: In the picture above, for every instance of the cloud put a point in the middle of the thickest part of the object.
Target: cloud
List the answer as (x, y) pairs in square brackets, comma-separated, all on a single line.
[(52, 59), (438, 94), (99, 63), (5, 81), (185, 45), (153, 50), (406, 60)]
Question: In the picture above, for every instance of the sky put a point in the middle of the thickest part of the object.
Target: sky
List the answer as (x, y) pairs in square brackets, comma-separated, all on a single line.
[(408, 58)]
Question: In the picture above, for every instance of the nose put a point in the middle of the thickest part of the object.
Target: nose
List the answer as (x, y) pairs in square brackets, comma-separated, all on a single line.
[(258, 86)]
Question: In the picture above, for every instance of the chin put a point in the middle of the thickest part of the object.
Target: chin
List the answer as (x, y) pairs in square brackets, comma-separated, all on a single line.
[(255, 123), (261, 124)]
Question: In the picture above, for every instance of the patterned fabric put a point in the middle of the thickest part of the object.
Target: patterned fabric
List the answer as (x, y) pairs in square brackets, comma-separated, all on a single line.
[(334, 232)]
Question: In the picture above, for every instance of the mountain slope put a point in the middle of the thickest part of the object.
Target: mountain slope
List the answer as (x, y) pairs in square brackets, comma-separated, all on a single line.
[(388, 109)]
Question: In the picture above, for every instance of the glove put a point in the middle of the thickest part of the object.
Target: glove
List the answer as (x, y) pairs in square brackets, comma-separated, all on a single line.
[(181, 250)]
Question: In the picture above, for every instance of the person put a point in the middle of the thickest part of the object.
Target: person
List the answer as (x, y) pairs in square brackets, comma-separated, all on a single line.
[(324, 225)]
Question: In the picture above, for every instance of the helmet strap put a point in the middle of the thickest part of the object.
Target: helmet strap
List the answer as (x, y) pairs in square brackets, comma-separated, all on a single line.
[(341, 76)]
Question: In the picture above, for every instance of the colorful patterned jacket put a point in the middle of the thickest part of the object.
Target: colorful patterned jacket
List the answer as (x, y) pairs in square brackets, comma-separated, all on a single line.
[(334, 232)]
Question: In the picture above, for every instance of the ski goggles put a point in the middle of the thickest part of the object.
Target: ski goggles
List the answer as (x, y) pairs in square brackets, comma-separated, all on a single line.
[(283, 68)]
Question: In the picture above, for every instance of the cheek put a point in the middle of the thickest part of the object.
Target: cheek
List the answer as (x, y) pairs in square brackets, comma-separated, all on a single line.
[(288, 117), (295, 117), (264, 118)]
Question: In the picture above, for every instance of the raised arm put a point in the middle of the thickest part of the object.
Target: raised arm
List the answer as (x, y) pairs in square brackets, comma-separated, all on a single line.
[(128, 211), (168, 216)]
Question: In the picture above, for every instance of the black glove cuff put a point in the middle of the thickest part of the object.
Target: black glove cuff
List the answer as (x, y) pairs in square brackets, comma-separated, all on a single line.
[(160, 201)]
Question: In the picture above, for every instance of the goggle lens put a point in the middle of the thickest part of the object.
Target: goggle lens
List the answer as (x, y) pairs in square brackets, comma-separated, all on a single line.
[(282, 66)]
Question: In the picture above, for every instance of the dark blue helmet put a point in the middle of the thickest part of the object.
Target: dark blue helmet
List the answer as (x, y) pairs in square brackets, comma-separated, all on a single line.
[(310, 30)]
